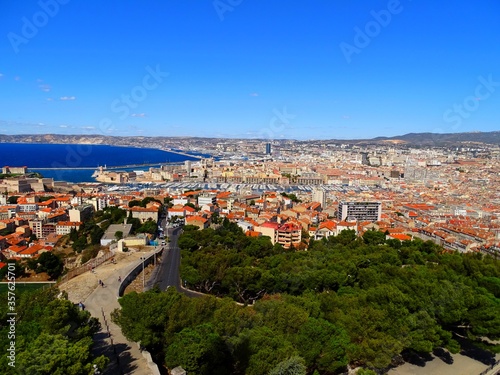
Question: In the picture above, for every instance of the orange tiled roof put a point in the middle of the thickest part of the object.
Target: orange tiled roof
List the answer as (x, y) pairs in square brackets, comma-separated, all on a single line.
[(400, 236), (252, 233)]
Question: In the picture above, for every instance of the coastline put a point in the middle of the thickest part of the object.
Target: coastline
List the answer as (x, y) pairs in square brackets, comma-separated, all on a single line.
[(76, 162), (142, 147)]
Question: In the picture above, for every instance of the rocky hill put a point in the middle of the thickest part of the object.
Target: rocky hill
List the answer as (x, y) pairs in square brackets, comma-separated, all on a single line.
[(411, 139)]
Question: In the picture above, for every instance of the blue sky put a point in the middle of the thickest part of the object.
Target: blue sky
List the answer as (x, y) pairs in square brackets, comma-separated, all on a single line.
[(249, 69)]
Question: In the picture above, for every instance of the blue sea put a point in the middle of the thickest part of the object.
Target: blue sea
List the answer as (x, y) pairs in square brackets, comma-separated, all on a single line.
[(69, 158)]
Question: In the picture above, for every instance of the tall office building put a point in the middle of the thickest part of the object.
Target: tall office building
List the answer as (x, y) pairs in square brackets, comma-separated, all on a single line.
[(268, 149), (361, 211)]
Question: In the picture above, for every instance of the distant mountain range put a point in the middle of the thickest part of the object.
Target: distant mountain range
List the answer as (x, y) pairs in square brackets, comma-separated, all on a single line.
[(413, 139), (444, 138)]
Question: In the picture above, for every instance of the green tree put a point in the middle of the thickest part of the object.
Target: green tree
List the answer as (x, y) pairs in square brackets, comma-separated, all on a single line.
[(291, 366), (323, 345), (48, 262), (134, 203), (96, 234), (52, 336), (118, 235), (149, 226), (73, 234), (17, 272), (143, 317), (373, 237), (345, 237), (199, 350), (260, 350), (13, 199), (80, 244), (147, 200)]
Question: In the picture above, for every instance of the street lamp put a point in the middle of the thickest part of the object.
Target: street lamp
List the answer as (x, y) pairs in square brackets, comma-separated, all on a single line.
[(143, 274)]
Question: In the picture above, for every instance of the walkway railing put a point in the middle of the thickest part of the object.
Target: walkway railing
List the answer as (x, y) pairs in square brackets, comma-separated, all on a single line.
[(148, 259), (91, 264), (490, 368)]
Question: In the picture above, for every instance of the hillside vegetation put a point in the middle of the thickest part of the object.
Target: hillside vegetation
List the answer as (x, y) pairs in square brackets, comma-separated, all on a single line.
[(347, 300), (52, 336)]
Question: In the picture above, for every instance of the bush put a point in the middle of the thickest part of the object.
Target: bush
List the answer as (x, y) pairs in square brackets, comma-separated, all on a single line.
[(90, 253)]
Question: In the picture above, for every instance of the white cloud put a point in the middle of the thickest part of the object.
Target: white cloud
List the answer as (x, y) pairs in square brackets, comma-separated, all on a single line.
[(254, 94), (88, 127), (50, 99), (17, 78), (45, 87), (67, 98), (138, 115)]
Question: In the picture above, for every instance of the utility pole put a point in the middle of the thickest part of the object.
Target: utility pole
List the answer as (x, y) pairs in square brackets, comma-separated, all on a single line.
[(143, 273)]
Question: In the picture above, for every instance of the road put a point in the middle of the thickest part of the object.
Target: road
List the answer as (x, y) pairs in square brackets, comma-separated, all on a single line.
[(167, 272)]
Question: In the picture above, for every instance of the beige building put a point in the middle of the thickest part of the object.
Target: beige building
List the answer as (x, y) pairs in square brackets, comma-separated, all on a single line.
[(144, 214), (36, 227), (14, 170), (64, 227)]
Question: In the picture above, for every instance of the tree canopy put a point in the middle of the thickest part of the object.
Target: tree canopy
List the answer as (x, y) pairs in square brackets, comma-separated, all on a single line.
[(47, 262), (362, 301), (53, 336)]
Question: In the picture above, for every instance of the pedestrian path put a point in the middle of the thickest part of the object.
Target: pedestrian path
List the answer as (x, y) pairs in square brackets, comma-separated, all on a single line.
[(126, 358)]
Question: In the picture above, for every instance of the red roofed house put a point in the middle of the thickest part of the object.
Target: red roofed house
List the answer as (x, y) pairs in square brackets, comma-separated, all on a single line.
[(326, 229), (198, 221), (32, 251), (252, 233), (13, 251), (398, 236)]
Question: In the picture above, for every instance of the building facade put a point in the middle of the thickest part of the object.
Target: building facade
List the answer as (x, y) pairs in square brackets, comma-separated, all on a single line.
[(361, 211)]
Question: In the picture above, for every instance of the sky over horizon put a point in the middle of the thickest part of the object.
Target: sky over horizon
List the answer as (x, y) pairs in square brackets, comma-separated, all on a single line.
[(248, 69)]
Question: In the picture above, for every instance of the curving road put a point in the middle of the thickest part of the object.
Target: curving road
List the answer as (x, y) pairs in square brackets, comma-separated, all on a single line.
[(167, 273)]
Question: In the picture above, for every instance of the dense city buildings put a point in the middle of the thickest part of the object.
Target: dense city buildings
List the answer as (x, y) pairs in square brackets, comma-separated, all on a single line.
[(442, 194), (438, 193)]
